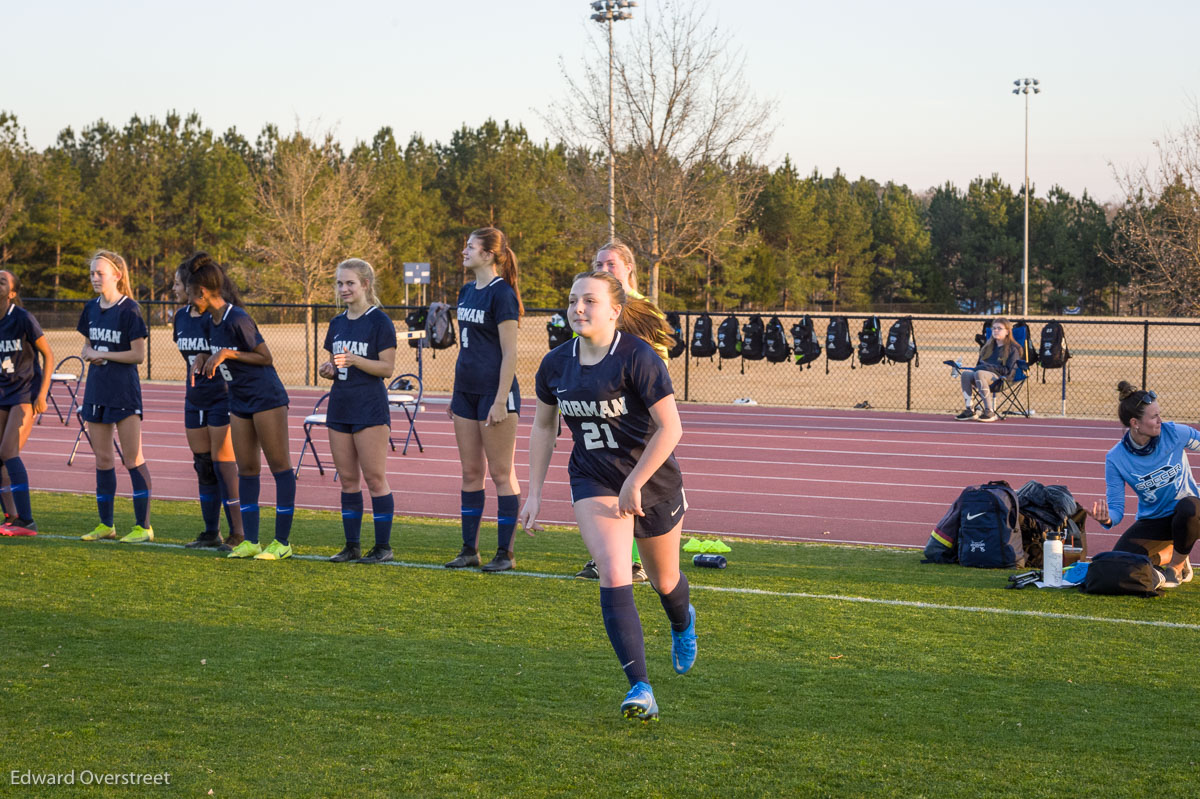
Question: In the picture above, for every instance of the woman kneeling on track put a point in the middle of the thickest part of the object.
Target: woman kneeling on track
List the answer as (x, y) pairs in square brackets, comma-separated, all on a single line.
[(116, 337), (23, 390), (362, 343), (616, 396), (1151, 458), (487, 400), (206, 420), (258, 407)]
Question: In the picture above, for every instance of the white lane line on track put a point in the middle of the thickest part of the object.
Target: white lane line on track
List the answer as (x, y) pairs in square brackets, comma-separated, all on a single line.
[(904, 603)]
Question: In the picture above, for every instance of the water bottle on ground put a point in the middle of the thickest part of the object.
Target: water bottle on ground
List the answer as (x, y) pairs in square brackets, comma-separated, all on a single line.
[(1052, 559), (709, 561)]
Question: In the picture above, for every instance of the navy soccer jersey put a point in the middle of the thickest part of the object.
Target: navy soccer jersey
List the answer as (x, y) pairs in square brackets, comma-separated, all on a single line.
[(191, 337), (20, 374), (480, 312), (606, 407), (251, 388), (111, 384), (358, 398)]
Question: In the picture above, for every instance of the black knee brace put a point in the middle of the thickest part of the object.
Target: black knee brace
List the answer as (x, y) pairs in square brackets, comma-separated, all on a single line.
[(1185, 526), (202, 462)]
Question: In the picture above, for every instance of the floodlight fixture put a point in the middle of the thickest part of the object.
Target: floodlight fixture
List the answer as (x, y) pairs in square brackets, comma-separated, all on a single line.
[(1028, 82)]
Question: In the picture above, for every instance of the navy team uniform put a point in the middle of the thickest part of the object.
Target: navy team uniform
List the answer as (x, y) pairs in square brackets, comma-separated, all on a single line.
[(477, 371), (252, 389), (113, 392), (205, 404), (606, 407), (476, 376), (358, 401), (20, 381)]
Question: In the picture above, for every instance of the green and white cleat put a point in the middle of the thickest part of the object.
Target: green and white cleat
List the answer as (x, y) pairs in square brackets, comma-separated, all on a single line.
[(139, 535), (275, 551), (101, 532), (246, 549)]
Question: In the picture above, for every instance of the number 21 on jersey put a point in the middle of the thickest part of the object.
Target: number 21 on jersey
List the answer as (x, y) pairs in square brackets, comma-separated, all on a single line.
[(598, 436)]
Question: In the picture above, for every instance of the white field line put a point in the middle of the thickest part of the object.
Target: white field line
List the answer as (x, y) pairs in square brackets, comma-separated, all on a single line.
[(904, 603)]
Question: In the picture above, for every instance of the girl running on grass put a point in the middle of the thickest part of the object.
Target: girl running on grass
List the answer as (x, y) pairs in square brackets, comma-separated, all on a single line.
[(258, 406), (206, 421), (23, 389), (616, 396), (116, 337), (1151, 458), (361, 342), (487, 400)]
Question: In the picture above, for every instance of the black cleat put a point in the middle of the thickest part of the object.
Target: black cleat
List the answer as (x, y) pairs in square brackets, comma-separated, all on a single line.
[(639, 573), (501, 563), (206, 540), (349, 552), (377, 555), (588, 572), (466, 558)]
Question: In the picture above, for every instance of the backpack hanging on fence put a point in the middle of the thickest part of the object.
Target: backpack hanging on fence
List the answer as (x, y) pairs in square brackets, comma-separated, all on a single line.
[(439, 327), (981, 529), (557, 329), (901, 344), (677, 343), (804, 342), (415, 319), (703, 345), (753, 333), (729, 339), (870, 348), (837, 342), (1031, 350), (1053, 352), (775, 345)]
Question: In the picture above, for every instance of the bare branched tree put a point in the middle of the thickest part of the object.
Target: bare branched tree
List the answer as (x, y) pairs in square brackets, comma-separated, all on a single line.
[(1157, 233), (686, 132)]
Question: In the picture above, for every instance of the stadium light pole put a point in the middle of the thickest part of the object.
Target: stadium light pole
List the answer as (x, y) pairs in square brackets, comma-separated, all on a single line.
[(607, 12), (1026, 86)]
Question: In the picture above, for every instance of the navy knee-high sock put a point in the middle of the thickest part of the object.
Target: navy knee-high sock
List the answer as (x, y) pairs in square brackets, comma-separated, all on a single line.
[(248, 486), (676, 602), (383, 508), (106, 489), (624, 630), (210, 503), (140, 477), (506, 521), (285, 501), (20, 487), (352, 509), (472, 512), (6, 499), (227, 478)]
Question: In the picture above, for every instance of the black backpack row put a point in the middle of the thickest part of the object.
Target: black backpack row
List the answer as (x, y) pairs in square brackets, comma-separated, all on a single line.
[(753, 341)]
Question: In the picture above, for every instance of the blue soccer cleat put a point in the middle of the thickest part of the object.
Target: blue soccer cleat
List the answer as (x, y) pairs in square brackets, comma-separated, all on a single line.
[(683, 645), (639, 704)]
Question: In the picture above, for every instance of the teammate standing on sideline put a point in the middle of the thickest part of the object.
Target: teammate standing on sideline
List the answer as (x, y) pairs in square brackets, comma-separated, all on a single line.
[(116, 337), (206, 422), (258, 407), (617, 259), (362, 343), (487, 401), (23, 389), (616, 396)]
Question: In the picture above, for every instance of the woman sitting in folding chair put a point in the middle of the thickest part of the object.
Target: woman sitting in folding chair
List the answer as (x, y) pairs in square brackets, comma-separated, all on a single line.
[(997, 361)]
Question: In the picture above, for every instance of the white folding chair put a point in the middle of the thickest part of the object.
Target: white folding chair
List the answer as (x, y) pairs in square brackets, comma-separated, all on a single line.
[(67, 375), (314, 419)]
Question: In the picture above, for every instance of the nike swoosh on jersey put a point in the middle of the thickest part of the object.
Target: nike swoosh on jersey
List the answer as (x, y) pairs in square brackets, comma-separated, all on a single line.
[(560, 391)]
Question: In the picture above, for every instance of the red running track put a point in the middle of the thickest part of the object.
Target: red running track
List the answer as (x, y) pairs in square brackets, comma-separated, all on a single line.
[(854, 477)]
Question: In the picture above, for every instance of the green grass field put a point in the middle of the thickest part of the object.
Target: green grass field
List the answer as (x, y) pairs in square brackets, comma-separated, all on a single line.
[(304, 678)]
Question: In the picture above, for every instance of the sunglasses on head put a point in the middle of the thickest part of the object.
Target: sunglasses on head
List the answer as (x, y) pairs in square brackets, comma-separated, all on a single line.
[(1147, 398)]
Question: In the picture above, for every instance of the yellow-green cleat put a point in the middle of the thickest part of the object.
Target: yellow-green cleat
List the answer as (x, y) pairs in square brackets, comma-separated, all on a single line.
[(246, 549), (139, 535), (101, 532), (275, 551)]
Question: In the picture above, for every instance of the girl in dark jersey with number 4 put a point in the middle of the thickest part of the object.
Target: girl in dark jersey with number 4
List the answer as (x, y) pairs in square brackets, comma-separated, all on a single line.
[(258, 407), (616, 397)]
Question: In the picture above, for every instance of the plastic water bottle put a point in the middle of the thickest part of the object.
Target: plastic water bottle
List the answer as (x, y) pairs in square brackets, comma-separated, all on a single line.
[(1052, 559), (709, 561)]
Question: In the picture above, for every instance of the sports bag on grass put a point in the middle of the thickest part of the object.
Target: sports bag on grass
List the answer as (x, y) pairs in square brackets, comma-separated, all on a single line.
[(1122, 573), (989, 532), (703, 345)]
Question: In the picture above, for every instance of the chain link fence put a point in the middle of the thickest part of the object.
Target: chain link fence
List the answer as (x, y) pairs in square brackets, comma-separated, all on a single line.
[(1160, 354)]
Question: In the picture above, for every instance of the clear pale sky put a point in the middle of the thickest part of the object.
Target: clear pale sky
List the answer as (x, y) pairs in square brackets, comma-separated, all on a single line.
[(916, 92)]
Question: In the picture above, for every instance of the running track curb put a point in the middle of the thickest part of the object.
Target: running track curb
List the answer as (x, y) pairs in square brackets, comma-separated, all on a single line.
[(1040, 614)]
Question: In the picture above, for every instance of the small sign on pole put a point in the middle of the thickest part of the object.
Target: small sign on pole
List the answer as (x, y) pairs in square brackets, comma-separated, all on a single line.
[(415, 273)]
